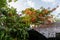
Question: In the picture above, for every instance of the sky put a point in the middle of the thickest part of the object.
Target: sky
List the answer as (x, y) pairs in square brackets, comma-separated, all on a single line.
[(23, 4)]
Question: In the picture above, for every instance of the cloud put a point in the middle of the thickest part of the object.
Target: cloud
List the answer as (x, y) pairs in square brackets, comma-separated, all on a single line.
[(48, 1), (58, 9), (53, 2), (30, 3), (56, 13), (19, 5)]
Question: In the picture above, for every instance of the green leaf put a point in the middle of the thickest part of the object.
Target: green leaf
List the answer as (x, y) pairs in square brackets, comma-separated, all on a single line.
[(15, 0), (3, 3), (9, 0)]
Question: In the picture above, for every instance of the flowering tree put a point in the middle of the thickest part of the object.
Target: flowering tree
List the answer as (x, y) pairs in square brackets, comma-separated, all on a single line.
[(39, 16)]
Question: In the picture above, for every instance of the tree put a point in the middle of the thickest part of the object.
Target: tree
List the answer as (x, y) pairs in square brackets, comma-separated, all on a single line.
[(14, 26), (11, 27), (3, 3), (36, 16)]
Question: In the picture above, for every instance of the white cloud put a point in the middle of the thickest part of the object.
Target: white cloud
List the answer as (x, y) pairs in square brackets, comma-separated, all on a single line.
[(48, 1), (21, 4), (58, 10), (30, 3), (56, 13)]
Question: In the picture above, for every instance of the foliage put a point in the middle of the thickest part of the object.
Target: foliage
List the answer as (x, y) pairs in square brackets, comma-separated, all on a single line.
[(11, 0), (11, 27), (14, 26), (36, 16), (3, 3)]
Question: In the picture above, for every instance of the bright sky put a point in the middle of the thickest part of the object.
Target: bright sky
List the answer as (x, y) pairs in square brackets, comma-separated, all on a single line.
[(22, 4)]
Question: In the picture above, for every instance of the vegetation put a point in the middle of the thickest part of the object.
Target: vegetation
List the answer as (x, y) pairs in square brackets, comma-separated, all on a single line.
[(11, 27), (14, 26), (33, 16)]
